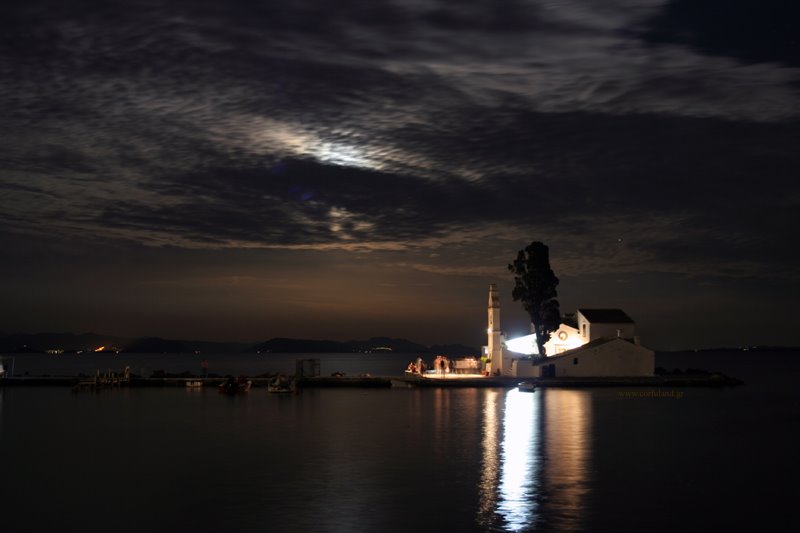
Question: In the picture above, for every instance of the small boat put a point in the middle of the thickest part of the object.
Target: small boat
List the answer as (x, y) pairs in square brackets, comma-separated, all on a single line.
[(194, 384), (235, 386), (526, 386), (281, 384)]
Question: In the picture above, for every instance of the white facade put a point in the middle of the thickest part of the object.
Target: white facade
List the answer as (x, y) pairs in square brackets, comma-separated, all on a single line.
[(603, 345), (592, 324), (563, 339), (591, 329), (610, 357)]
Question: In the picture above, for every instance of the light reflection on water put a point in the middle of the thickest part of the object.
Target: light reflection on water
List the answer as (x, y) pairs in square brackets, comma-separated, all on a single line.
[(534, 472), (398, 460), (519, 479), (491, 461), (513, 461), (567, 447)]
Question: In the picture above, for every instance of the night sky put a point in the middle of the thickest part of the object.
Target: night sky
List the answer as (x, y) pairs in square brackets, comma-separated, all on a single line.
[(242, 170)]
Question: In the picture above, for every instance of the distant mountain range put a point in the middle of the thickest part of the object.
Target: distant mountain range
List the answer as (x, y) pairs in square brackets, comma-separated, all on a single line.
[(374, 344), (70, 342)]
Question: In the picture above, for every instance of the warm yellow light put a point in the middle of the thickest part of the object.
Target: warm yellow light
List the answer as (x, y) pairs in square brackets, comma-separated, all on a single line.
[(100, 349)]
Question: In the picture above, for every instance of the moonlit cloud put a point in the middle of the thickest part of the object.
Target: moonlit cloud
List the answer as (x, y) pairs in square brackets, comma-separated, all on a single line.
[(431, 136)]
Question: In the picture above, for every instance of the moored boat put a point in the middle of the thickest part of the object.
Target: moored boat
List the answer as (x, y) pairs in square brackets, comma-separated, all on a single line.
[(526, 386), (281, 384), (232, 386)]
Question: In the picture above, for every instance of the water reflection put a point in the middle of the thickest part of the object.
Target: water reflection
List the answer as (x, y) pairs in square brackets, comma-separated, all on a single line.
[(536, 463), (491, 460), (519, 482), (441, 423), (567, 416)]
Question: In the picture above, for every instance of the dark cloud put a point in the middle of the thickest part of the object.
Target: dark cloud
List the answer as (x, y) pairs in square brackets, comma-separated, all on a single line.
[(436, 136)]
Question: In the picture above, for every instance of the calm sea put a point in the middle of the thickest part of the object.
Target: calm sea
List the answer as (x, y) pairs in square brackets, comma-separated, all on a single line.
[(603, 459)]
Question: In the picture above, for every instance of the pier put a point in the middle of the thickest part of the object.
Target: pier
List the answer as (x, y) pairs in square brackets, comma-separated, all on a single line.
[(103, 381), (372, 382)]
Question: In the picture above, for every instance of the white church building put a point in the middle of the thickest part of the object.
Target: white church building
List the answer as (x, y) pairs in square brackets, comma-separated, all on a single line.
[(592, 343)]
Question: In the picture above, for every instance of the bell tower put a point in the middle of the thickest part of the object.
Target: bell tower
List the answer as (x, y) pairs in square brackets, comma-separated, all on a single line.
[(494, 346)]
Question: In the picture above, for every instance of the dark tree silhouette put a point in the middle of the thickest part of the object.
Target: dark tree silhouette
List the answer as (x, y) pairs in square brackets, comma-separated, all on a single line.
[(535, 286)]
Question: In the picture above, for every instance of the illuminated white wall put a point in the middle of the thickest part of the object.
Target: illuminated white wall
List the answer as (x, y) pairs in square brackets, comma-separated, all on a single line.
[(590, 331), (568, 338), (523, 345), (524, 368), (563, 339), (615, 358)]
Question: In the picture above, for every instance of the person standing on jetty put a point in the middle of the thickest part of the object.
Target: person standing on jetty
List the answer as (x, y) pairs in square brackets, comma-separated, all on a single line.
[(440, 365)]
